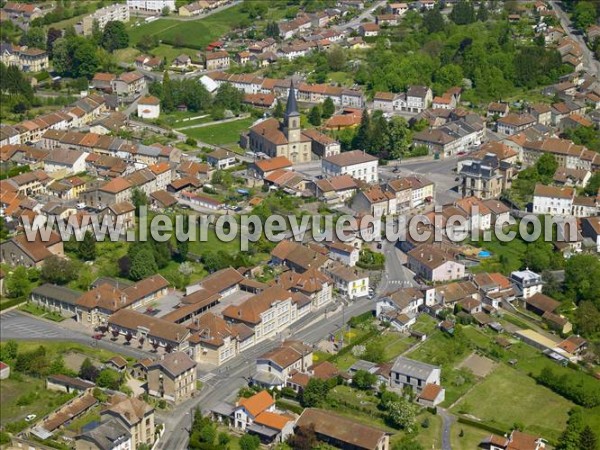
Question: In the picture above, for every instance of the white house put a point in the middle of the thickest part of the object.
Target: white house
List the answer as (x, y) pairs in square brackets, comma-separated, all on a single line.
[(528, 282), (202, 201), (148, 107), (350, 282), (356, 163), (408, 373), (68, 161), (552, 200), (221, 159), (155, 6)]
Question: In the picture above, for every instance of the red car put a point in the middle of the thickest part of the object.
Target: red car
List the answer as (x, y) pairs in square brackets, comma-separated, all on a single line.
[(97, 336)]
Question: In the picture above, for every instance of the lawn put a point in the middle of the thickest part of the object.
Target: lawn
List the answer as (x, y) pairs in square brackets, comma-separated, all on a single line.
[(55, 348), (471, 436), (220, 134), (23, 395), (194, 33), (93, 415), (430, 437), (440, 349), (41, 312), (511, 253), (508, 396)]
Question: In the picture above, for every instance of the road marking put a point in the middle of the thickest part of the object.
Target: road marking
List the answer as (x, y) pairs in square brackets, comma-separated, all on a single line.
[(209, 376)]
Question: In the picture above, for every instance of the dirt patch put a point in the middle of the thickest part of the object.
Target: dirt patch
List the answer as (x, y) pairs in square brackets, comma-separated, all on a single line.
[(479, 365), (73, 360)]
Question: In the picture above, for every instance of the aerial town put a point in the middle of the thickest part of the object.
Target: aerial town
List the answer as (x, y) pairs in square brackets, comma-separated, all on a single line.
[(469, 120)]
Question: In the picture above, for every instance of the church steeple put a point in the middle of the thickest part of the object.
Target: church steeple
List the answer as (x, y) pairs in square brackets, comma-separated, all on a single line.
[(291, 110)]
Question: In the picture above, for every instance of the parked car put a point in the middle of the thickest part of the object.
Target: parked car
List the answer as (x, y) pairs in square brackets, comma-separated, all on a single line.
[(30, 417)]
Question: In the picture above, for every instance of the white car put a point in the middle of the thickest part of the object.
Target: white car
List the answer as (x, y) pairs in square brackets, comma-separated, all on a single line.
[(30, 417)]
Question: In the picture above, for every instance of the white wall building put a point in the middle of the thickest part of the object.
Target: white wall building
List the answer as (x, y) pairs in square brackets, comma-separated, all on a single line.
[(356, 163), (155, 6), (553, 201)]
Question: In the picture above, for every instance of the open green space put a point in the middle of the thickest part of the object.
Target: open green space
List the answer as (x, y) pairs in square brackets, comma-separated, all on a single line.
[(220, 134), (470, 439), (430, 437), (192, 33), (506, 256), (22, 395), (508, 396)]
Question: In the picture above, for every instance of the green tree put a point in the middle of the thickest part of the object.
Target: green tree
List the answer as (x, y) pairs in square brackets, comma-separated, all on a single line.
[(229, 97), (143, 264), (249, 442), (463, 13), (399, 136), (17, 283), (364, 380), (433, 21), (582, 278), (588, 439), (88, 371), (139, 199), (167, 100), (328, 108), (585, 14), (58, 270), (336, 58), (61, 57), (314, 117), (9, 351), (110, 379), (87, 247), (314, 393), (279, 109), (84, 60), (115, 36), (482, 12), (272, 30), (403, 414), (587, 319), (34, 37), (546, 167), (51, 36), (375, 351), (362, 138)]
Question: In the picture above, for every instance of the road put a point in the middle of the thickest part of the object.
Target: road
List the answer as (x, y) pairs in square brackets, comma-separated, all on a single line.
[(447, 421), (396, 275), (367, 14), (17, 325), (590, 64)]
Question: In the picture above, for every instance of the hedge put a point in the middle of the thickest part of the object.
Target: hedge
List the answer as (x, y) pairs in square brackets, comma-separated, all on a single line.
[(282, 404), (482, 426), (12, 302)]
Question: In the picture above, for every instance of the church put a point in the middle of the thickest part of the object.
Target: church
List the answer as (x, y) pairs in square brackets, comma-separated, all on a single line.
[(275, 138)]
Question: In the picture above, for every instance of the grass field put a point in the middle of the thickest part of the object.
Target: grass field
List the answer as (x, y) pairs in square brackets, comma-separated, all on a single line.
[(27, 395), (512, 252), (221, 134), (194, 33), (430, 437), (508, 396), (471, 437)]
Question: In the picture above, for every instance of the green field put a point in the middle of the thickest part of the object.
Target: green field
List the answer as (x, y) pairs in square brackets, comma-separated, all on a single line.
[(508, 396), (194, 33), (471, 437), (221, 134)]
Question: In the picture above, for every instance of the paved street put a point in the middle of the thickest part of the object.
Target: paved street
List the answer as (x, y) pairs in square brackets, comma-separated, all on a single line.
[(17, 325), (590, 64)]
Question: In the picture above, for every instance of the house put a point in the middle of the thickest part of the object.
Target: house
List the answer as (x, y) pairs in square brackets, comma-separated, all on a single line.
[(514, 123), (343, 252), (217, 60), (103, 81), (453, 137), (64, 383), (418, 98), (356, 163), (117, 363), (552, 200), (516, 441), (541, 304), (109, 435), (151, 6), (497, 109), (4, 371), (262, 168), (111, 13), (416, 375), (129, 84), (148, 107), (431, 395), (335, 190), (173, 377), (183, 61), (341, 432), (369, 29), (55, 298), (527, 282), (542, 113), (149, 63), (435, 264), (400, 308), (247, 409), (135, 415), (298, 257), (322, 145), (374, 201), (276, 366), (27, 59), (221, 159), (590, 228), (202, 201), (122, 213), (350, 282), (18, 251)]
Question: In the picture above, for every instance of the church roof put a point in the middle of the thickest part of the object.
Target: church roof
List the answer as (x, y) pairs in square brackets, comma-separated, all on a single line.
[(292, 105)]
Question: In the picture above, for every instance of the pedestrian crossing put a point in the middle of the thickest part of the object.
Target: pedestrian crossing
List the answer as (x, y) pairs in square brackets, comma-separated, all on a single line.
[(205, 378)]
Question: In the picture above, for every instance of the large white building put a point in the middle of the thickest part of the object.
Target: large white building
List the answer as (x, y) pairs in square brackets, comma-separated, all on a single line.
[(356, 163), (112, 13), (553, 201), (155, 6)]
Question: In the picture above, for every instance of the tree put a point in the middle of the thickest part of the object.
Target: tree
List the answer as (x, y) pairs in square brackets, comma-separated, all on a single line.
[(17, 283), (399, 137), (84, 60), (304, 438), (585, 14), (249, 442), (314, 393), (143, 264), (482, 12), (167, 100), (375, 351), (108, 378), (463, 13), (272, 30), (61, 58), (363, 135), (229, 97), (279, 109), (9, 350), (328, 108), (433, 21), (165, 11), (139, 199), (407, 445), (88, 371), (546, 167), (314, 117), (34, 37), (51, 37), (115, 36), (402, 414), (587, 319), (336, 58), (588, 439), (364, 380), (58, 366), (58, 270), (582, 278), (87, 247)]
